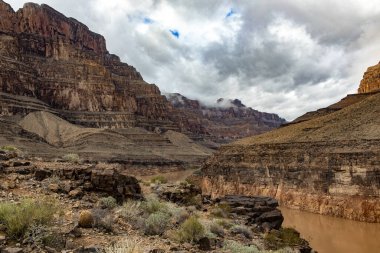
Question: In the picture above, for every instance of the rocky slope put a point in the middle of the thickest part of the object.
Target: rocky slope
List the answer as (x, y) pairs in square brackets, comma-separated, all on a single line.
[(45, 135), (328, 164), (49, 62), (225, 121)]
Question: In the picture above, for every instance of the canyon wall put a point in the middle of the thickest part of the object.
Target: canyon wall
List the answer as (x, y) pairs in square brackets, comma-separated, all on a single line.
[(328, 164), (59, 61)]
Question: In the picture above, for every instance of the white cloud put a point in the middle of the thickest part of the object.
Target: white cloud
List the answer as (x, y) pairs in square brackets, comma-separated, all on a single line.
[(287, 57)]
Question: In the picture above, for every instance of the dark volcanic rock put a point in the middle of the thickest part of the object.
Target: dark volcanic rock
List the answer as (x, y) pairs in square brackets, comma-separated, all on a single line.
[(180, 194), (116, 184), (260, 211)]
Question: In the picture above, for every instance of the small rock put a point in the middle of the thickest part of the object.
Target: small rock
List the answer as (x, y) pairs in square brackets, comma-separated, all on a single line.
[(77, 193), (66, 186), (204, 244), (12, 250), (86, 219), (2, 239), (53, 187), (41, 174), (157, 251), (11, 185)]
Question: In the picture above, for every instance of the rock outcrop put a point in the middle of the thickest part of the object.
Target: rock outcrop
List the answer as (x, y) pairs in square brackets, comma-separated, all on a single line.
[(227, 120), (259, 211), (371, 80), (328, 164)]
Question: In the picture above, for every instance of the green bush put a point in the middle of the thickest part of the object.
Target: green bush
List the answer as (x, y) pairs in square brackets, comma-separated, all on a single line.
[(278, 239), (153, 205), (108, 202), (156, 223), (190, 231), (235, 247), (73, 158), (159, 180), (9, 148), (221, 211), (131, 210), (17, 218), (224, 223), (217, 229)]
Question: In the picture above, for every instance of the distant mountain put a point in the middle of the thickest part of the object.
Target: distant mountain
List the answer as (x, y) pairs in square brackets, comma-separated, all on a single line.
[(227, 120)]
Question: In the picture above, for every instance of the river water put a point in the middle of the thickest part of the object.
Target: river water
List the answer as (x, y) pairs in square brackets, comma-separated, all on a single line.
[(334, 235)]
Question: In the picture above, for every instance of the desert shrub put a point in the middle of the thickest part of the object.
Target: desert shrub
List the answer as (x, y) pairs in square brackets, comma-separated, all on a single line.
[(277, 239), (241, 230), (17, 218), (159, 180), (179, 214), (125, 246), (108, 202), (236, 247), (221, 211), (154, 205), (73, 158), (191, 230), (41, 235), (9, 148), (131, 209), (216, 229), (226, 224), (156, 223), (102, 219), (194, 201)]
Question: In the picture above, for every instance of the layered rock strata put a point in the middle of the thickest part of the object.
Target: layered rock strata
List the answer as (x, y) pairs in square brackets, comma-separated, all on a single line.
[(227, 120), (52, 62), (328, 164)]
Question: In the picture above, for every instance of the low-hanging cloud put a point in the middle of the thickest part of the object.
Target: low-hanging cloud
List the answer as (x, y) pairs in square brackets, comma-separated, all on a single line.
[(287, 57)]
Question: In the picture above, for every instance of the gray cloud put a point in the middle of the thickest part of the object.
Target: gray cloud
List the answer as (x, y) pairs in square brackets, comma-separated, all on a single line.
[(287, 57)]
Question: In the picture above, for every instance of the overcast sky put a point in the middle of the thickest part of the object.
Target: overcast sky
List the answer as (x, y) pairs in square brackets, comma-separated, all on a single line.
[(287, 57)]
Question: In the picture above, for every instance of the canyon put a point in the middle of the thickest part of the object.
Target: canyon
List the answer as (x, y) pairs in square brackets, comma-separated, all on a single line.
[(56, 65), (325, 162)]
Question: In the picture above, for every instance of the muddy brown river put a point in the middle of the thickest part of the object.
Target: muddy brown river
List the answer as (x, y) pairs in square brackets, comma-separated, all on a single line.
[(334, 235)]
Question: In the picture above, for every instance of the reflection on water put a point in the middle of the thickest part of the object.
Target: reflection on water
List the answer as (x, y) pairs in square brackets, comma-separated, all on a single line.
[(334, 235)]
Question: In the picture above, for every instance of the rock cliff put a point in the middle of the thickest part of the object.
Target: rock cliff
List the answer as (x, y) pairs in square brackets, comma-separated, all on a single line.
[(223, 122), (327, 164), (371, 80), (61, 63)]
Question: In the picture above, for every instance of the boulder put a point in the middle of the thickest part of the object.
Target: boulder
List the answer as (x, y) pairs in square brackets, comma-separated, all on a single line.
[(116, 184), (258, 210), (180, 194)]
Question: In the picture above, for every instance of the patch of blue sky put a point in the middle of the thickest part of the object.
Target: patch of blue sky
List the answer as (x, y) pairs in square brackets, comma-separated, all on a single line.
[(230, 13), (147, 20), (175, 33)]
